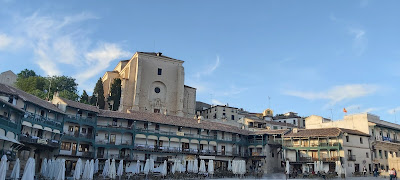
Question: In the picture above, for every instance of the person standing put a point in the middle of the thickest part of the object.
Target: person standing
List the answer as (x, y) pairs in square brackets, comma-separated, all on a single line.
[(365, 171), (391, 174)]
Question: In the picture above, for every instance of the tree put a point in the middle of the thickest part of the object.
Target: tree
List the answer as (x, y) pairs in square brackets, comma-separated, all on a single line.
[(44, 88), (68, 95), (115, 94), (98, 92), (26, 73), (84, 98)]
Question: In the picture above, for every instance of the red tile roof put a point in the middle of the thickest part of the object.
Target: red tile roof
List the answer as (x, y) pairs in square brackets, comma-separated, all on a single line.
[(324, 132)]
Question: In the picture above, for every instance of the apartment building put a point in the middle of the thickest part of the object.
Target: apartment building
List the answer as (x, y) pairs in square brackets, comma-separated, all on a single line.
[(303, 147), (31, 127)]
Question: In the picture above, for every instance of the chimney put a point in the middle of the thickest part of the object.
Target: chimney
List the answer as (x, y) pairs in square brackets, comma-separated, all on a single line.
[(295, 130), (159, 54)]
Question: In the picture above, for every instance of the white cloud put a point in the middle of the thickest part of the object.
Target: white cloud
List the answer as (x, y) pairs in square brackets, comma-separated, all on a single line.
[(61, 44), (209, 69), (360, 42), (5, 41), (359, 109), (216, 102), (394, 110), (337, 93), (99, 59)]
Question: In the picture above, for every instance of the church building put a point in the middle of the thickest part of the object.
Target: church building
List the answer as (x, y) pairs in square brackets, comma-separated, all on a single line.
[(152, 82)]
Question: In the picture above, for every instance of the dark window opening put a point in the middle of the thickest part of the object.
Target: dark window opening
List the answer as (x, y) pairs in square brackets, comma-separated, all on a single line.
[(157, 90), (159, 71)]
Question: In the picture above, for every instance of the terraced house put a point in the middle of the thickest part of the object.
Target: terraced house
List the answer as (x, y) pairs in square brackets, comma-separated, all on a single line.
[(303, 147), (71, 130)]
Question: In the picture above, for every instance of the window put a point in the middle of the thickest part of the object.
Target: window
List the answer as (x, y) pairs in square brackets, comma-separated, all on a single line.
[(233, 117), (201, 146), (180, 129), (71, 128), (42, 113), (274, 127), (145, 126), (294, 121), (114, 122), (347, 138), (157, 127), (84, 130), (106, 136), (157, 90), (83, 147), (272, 154), (380, 154), (366, 155), (251, 124), (159, 72), (66, 146), (223, 135), (156, 110), (386, 154), (223, 114)]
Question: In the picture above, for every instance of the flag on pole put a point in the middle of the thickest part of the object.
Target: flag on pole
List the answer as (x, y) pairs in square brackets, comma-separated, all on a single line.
[(344, 110)]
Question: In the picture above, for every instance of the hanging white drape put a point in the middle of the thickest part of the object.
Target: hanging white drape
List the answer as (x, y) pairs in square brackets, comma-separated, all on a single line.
[(210, 167), (43, 167), (106, 168), (164, 169), (96, 166), (120, 171), (173, 167), (151, 168), (16, 170), (147, 167), (29, 171), (86, 172), (137, 171), (229, 165), (202, 169), (195, 166), (91, 172), (77, 171), (3, 167), (113, 171)]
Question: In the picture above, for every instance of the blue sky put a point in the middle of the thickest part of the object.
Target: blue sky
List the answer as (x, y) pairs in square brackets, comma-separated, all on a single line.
[(310, 57)]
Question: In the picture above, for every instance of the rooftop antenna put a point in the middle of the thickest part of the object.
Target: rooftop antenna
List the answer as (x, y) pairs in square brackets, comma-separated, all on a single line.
[(269, 102), (331, 114)]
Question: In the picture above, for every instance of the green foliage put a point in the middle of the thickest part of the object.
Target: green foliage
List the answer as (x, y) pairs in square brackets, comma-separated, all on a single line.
[(98, 93), (39, 86), (26, 73), (84, 98), (68, 95), (115, 94)]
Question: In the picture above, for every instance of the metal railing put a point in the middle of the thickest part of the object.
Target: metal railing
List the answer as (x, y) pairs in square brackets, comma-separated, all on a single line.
[(5, 122), (36, 140), (81, 119), (351, 158), (40, 119), (76, 135)]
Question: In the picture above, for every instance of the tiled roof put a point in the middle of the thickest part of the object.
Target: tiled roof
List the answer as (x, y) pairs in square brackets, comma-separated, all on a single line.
[(11, 105), (324, 132), (28, 97), (352, 131), (79, 105), (270, 131), (155, 54), (280, 123), (173, 120)]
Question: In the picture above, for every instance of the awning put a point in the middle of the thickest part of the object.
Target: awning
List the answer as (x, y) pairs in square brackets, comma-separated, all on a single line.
[(185, 140), (37, 126), (47, 129), (207, 157), (9, 139), (57, 131), (203, 142), (163, 138), (213, 143), (25, 123), (194, 141), (152, 137)]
